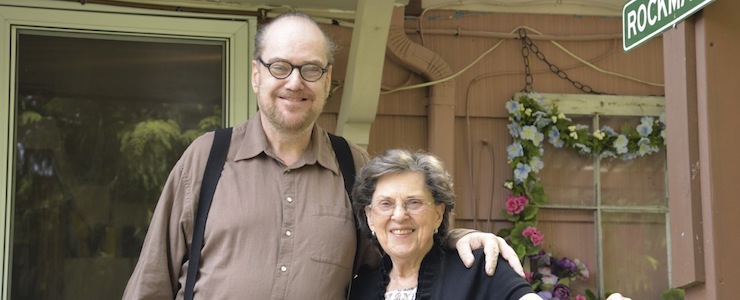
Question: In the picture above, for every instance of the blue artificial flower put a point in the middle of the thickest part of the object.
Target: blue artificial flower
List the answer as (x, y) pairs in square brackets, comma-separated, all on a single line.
[(521, 172), (629, 156), (554, 137), (538, 138), (536, 96), (644, 129), (620, 144), (582, 149), (541, 119), (529, 132), (557, 143), (609, 131), (662, 135), (554, 133), (647, 120), (514, 129), (515, 150), (606, 154), (512, 106), (645, 149), (536, 164)]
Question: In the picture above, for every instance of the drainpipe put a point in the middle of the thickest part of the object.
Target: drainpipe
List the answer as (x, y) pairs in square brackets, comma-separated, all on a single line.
[(441, 107)]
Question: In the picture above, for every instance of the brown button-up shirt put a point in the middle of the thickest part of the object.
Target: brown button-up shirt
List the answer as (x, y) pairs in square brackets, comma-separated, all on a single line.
[(273, 231)]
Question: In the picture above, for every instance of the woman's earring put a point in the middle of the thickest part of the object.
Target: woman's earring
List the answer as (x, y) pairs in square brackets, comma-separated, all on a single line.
[(373, 233), (436, 230)]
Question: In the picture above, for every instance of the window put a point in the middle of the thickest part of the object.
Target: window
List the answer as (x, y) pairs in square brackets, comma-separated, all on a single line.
[(610, 213), (101, 105)]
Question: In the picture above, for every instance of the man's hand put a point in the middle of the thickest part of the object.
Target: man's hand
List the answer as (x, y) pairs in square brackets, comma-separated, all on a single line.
[(617, 296), (491, 245)]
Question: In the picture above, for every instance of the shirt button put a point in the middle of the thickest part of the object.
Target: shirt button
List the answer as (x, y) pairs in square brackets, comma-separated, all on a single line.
[(288, 233), (283, 268), (289, 199)]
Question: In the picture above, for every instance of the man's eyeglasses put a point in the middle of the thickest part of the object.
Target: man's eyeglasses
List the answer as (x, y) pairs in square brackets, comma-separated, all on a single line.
[(411, 206), (283, 69)]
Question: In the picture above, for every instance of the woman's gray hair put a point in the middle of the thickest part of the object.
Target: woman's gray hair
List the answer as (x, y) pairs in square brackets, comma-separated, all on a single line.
[(259, 38), (437, 180)]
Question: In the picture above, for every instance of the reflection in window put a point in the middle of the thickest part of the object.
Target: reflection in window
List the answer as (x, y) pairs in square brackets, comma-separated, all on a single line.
[(100, 122)]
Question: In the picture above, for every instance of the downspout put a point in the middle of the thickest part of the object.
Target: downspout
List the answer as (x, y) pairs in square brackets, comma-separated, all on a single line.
[(441, 107)]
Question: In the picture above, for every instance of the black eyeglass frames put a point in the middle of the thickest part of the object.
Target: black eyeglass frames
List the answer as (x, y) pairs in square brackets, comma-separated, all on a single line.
[(283, 69)]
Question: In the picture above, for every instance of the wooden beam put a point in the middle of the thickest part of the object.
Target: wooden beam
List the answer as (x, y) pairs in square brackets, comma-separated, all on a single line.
[(604, 105), (364, 70)]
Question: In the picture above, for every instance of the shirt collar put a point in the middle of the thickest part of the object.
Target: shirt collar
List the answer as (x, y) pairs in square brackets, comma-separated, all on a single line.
[(254, 143)]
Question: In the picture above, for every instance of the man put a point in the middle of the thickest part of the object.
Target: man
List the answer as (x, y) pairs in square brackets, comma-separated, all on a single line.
[(281, 224)]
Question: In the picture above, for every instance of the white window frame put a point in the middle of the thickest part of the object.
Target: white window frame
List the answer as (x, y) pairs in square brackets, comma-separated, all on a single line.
[(235, 31), (595, 106)]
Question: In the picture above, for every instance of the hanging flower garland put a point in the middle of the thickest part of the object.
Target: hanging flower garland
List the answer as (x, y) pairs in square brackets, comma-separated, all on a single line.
[(531, 123)]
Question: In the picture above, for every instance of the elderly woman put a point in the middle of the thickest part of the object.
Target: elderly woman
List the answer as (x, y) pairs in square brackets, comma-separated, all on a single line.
[(403, 199)]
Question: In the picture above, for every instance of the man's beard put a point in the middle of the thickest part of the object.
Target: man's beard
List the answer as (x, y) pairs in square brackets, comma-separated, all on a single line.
[(275, 117)]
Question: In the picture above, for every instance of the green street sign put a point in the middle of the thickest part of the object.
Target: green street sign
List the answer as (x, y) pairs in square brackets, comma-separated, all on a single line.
[(644, 19)]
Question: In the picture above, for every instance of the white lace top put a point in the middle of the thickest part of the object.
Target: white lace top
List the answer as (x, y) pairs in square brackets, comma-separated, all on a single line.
[(404, 294)]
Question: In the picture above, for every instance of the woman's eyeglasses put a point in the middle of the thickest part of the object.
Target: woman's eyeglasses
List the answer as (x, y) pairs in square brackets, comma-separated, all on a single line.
[(411, 206)]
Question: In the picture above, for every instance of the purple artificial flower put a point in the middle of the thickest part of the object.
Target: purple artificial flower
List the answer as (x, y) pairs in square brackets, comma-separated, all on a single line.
[(561, 291), (565, 267), (545, 295)]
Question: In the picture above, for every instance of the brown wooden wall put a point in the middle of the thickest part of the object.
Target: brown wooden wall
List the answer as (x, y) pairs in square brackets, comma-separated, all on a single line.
[(480, 133)]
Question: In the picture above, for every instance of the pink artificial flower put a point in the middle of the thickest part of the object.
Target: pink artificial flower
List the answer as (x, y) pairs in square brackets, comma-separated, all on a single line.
[(529, 231), (582, 270), (523, 201), (529, 276), (534, 235), (580, 297), (516, 204)]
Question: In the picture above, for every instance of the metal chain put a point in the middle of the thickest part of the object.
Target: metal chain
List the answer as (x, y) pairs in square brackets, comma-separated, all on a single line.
[(528, 79), (527, 46)]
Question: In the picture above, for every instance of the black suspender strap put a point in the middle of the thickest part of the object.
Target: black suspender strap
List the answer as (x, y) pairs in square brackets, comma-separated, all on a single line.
[(346, 163), (347, 166), (211, 175)]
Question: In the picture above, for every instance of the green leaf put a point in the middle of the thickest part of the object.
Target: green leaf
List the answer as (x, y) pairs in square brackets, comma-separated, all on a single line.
[(590, 295), (504, 232), (673, 294), (530, 213), (521, 250)]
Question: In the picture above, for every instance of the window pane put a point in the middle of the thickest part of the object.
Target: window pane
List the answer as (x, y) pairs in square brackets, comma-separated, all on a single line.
[(568, 177), (635, 254), (100, 121), (637, 182)]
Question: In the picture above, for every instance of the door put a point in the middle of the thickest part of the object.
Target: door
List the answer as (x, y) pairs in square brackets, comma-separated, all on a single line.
[(98, 113)]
